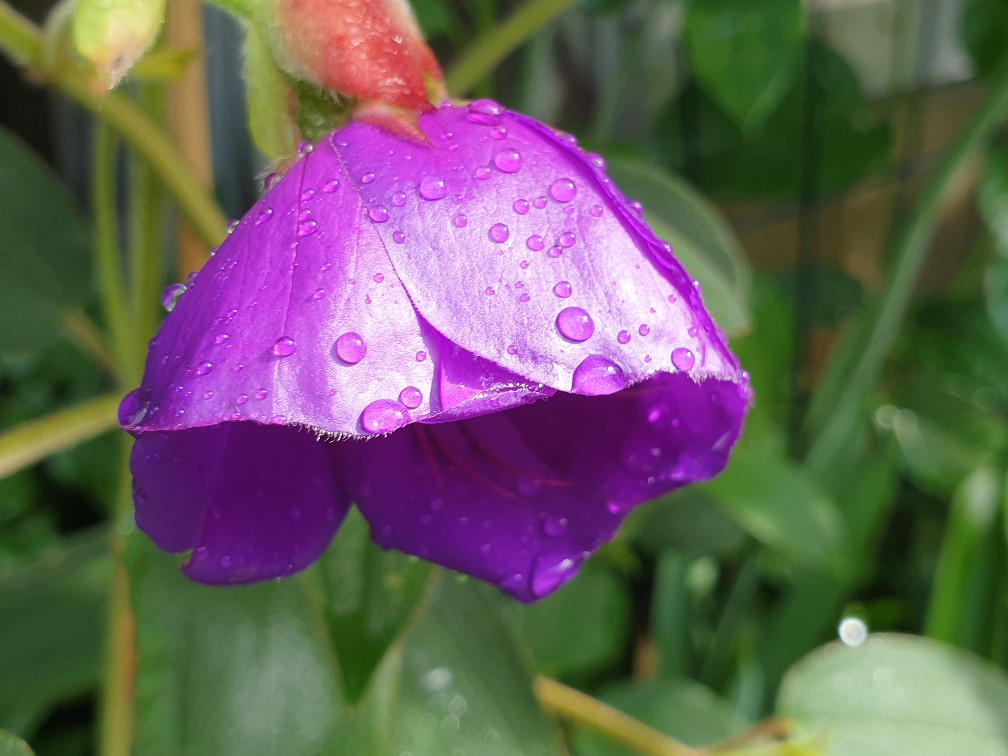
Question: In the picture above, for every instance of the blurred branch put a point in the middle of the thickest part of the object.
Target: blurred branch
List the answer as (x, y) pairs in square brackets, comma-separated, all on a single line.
[(22, 41), (854, 369), (491, 47), (35, 440), (589, 712), (86, 335)]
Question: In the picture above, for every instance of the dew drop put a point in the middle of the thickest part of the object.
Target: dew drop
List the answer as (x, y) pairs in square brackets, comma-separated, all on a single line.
[(623, 337), (512, 349), (433, 188), (208, 395), (508, 161), (379, 277), (261, 393), (499, 233), (498, 133), (232, 225), (305, 148), (378, 213), (285, 346), (637, 207), (460, 220), (133, 408), (554, 251), (575, 324), (411, 397), (683, 359), (484, 111), (535, 243), (307, 228), (330, 186), (398, 237), (318, 294), (598, 376), (567, 239), (520, 206), (271, 180), (523, 264), (597, 160), (482, 173), (554, 526), (350, 348), (221, 338), (383, 416), (367, 178), (563, 190), (421, 356), (203, 368), (549, 573), (241, 399), (596, 211), (540, 202), (307, 194), (398, 198), (562, 289), (264, 215), (644, 329)]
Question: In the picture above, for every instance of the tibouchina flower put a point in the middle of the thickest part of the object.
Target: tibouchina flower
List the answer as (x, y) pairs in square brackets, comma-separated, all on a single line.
[(475, 339)]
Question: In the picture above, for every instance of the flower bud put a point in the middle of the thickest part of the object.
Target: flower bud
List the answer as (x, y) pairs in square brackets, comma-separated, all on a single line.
[(112, 35)]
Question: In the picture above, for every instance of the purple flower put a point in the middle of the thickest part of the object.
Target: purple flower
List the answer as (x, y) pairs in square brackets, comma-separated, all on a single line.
[(477, 340)]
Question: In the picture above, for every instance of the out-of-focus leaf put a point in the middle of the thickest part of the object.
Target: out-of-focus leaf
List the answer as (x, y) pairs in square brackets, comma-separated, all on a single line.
[(112, 35), (433, 16), (239, 670), (836, 294), (686, 520), (164, 64), (984, 27), (368, 596), (271, 101), (51, 619), (898, 694), (583, 627), (44, 258), (996, 294), (745, 54), (780, 504), (680, 708), (992, 194), (11, 745), (702, 240), (694, 136)]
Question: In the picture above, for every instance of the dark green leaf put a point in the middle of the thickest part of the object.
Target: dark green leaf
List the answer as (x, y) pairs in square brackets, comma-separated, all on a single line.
[(230, 670), (984, 25), (582, 628), (898, 694), (680, 708), (13, 746), (368, 596), (703, 242), (996, 294), (835, 294), (745, 54), (992, 195), (688, 521), (44, 252)]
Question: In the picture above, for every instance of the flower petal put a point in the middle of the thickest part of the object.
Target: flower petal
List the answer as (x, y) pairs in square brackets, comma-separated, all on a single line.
[(253, 502), (519, 498)]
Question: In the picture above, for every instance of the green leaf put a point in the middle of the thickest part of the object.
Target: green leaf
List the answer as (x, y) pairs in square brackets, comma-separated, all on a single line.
[(229, 670), (270, 100), (368, 596), (44, 251), (703, 242), (51, 621), (992, 195), (11, 745), (780, 504), (686, 520), (984, 26), (582, 628), (745, 54), (898, 694), (680, 708), (996, 294)]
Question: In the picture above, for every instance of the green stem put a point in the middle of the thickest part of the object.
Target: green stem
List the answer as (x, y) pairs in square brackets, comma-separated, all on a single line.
[(497, 43), (853, 371), (22, 42), (35, 440), (107, 258), (90, 339)]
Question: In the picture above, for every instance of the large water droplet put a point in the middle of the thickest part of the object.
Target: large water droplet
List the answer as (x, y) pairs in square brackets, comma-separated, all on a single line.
[(433, 188), (562, 289), (567, 239), (383, 416), (261, 393), (683, 358), (307, 228), (508, 160), (644, 329), (520, 206), (378, 213), (575, 324), (485, 111), (411, 397), (398, 198), (133, 408), (264, 215), (549, 572), (170, 296), (367, 178), (398, 237), (351, 348), (499, 233), (330, 186), (203, 368), (623, 337), (563, 190), (598, 376), (535, 243), (285, 346)]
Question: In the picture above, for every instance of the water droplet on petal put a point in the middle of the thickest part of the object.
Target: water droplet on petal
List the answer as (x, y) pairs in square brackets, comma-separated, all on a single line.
[(305, 148), (383, 416), (499, 233), (208, 394), (484, 111), (460, 220), (598, 376), (575, 324), (350, 348), (379, 277), (549, 572), (596, 211), (512, 349), (483, 173), (498, 133), (203, 368), (398, 237), (421, 356), (554, 251), (535, 243), (637, 207), (562, 289), (318, 294), (307, 228), (307, 194), (367, 178), (433, 188), (221, 338), (170, 296), (411, 397), (597, 160), (378, 213), (508, 161), (683, 359), (644, 329), (330, 186), (241, 399), (261, 393), (554, 526), (232, 225), (563, 190), (567, 239), (133, 408), (623, 337), (520, 206), (540, 202), (264, 215), (285, 346)]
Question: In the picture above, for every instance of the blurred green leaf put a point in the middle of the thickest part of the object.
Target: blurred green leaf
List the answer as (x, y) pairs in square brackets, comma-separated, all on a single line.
[(992, 194), (680, 708), (434, 17), (745, 54), (984, 27), (837, 294), (702, 240), (996, 294), (670, 614), (51, 621), (270, 101), (229, 670), (13, 746), (368, 596), (582, 628), (898, 694), (44, 251), (780, 504), (686, 520)]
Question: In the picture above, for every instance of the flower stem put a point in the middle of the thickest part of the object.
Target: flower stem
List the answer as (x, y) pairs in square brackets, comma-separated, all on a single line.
[(591, 713), (22, 42), (34, 440), (491, 47), (853, 371)]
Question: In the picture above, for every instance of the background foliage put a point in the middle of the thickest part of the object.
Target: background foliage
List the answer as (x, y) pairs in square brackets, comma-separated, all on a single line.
[(836, 175)]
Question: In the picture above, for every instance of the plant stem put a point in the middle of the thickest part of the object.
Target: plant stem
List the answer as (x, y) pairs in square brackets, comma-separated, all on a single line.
[(591, 713), (497, 43), (34, 440), (22, 42), (86, 335), (854, 369)]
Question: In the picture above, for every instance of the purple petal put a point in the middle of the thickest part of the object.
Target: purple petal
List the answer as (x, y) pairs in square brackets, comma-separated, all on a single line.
[(253, 502), (520, 498)]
